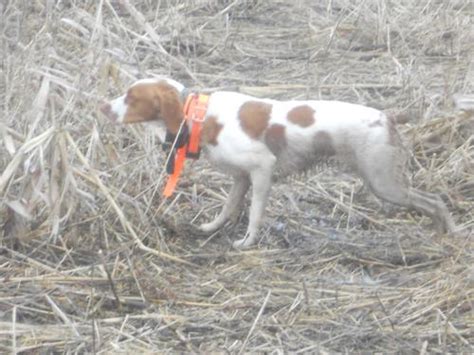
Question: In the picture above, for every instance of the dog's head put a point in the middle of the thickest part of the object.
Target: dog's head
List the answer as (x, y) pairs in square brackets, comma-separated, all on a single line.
[(148, 100)]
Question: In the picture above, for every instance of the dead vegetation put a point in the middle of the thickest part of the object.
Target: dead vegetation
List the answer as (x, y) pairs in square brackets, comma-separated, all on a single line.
[(93, 260)]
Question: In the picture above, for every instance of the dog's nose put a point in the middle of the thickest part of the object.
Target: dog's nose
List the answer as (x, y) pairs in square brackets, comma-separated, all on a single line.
[(105, 108)]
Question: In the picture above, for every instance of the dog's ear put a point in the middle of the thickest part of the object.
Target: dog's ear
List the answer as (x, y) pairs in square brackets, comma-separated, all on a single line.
[(170, 107)]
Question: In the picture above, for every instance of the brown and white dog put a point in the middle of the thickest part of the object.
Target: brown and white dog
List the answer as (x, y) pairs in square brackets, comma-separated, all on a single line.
[(253, 138)]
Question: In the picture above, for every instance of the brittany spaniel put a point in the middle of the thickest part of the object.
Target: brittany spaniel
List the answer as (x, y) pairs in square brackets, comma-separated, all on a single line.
[(252, 139)]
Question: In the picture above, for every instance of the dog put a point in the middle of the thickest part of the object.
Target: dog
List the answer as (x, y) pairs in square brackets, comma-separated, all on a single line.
[(252, 139)]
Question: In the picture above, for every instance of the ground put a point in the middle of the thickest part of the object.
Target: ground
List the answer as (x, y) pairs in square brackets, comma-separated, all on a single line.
[(92, 259)]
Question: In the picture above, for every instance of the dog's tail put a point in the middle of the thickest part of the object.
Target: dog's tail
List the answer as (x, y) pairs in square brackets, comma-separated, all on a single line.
[(397, 117)]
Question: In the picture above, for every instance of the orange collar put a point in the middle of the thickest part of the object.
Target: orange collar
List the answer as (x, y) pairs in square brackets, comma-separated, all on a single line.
[(194, 111)]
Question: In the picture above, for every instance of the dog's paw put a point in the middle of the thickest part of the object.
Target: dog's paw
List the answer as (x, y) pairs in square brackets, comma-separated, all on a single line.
[(208, 227), (243, 243)]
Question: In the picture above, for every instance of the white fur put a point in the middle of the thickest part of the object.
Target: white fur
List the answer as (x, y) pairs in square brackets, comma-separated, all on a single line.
[(247, 158), (362, 136), (119, 108)]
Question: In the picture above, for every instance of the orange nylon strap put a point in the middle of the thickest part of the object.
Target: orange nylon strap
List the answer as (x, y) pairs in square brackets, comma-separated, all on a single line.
[(178, 167), (194, 109)]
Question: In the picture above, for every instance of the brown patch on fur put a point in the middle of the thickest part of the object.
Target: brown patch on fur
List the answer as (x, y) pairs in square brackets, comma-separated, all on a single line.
[(301, 115), (254, 117), (323, 144), (210, 130), (154, 101), (275, 138)]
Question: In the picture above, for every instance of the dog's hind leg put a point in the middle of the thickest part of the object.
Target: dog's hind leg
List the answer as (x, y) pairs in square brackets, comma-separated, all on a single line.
[(382, 168)]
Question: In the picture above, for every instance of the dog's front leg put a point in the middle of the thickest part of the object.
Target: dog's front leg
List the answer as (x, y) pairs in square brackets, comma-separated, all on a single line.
[(261, 183), (233, 203)]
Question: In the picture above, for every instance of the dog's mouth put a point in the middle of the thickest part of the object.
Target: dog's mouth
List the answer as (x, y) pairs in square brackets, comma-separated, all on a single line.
[(106, 110)]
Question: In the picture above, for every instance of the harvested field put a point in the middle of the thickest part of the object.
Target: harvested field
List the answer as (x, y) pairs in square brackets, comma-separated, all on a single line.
[(93, 260)]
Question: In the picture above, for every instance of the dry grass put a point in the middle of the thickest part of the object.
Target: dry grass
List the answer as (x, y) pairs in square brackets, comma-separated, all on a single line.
[(91, 258)]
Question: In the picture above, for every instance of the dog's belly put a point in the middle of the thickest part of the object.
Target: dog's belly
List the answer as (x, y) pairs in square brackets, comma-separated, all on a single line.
[(235, 159)]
